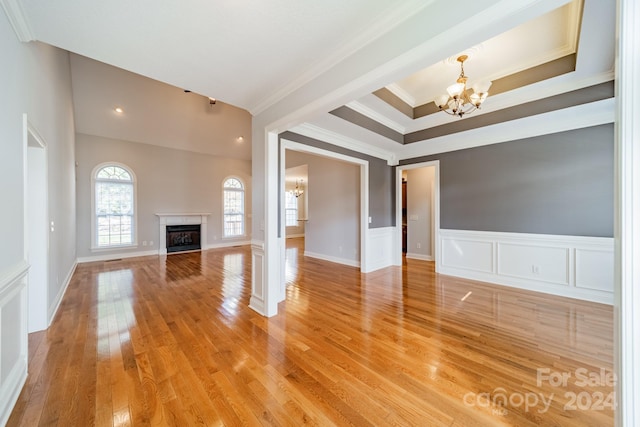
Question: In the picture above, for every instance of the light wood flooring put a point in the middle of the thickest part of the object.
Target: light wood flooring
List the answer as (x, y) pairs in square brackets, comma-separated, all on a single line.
[(171, 341)]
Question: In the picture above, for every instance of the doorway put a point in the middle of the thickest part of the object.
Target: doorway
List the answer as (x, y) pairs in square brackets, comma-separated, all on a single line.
[(418, 212), (37, 228)]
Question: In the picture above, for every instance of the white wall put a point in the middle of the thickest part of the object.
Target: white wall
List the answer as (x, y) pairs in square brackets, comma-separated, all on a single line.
[(168, 181), (34, 79), (420, 213)]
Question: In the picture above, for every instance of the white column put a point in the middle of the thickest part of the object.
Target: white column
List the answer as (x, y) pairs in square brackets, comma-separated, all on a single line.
[(265, 254), (627, 227)]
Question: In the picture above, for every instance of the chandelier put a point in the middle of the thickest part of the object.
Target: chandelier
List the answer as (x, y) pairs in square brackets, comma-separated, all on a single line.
[(459, 102), (298, 191)]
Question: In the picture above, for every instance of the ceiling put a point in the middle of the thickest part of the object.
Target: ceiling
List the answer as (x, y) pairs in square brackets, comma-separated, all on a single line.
[(250, 54)]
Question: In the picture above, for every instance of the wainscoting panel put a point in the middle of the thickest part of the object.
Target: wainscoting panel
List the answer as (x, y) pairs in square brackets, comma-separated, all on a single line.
[(571, 266), (468, 254), (525, 261), (379, 249), (13, 337), (594, 268), (257, 301)]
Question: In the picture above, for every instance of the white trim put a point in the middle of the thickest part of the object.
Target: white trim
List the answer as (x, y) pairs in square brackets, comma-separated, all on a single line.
[(364, 189), (375, 115), (545, 263), (380, 248), (13, 282), (627, 224), (335, 138), (244, 204), (435, 199), (405, 96), (53, 309), (19, 21), (94, 218), (421, 257), (330, 258), (115, 256), (165, 219), (227, 244), (257, 301), (38, 303)]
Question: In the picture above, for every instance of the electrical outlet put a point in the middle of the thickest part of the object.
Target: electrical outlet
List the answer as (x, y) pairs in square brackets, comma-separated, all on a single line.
[(151, 243), (144, 243), (419, 245), (535, 269)]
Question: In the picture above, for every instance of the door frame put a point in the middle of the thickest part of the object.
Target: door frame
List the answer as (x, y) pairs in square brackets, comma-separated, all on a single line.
[(33, 139), (435, 200)]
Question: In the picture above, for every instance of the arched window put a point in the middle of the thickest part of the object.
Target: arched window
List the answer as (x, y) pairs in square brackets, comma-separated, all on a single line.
[(233, 206), (113, 206)]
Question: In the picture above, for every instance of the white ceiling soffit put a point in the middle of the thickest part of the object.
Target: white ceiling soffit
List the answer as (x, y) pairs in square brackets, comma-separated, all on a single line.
[(247, 53)]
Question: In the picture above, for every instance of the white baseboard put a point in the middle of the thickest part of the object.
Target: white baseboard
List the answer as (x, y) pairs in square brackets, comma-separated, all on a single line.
[(330, 258), (421, 257), (116, 255), (570, 266), (54, 308), (228, 244), (11, 388)]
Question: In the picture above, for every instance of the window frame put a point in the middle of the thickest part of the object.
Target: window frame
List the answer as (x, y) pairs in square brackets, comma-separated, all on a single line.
[(244, 206), (288, 194), (94, 217)]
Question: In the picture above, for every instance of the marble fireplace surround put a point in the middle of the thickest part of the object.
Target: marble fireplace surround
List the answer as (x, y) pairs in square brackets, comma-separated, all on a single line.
[(181, 219)]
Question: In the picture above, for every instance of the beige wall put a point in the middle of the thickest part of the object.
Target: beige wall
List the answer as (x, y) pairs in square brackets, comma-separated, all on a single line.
[(168, 181), (333, 201)]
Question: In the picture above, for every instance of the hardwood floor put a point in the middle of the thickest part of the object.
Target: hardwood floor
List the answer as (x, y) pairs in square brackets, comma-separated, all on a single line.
[(171, 341)]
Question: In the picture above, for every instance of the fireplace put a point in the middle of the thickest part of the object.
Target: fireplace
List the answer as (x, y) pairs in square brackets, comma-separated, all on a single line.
[(197, 219), (183, 238)]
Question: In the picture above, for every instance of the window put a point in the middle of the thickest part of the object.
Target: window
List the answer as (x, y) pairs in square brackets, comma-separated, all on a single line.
[(114, 210), (290, 209), (233, 202)]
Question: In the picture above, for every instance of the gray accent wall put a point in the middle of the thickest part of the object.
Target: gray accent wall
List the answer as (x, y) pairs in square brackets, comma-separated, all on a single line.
[(420, 222), (559, 184), (167, 181), (381, 180)]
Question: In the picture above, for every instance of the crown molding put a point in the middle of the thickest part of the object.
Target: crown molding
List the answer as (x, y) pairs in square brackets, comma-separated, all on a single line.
[(402, 94), (316, 132), (378, 117), (18, 20), (395, 17)]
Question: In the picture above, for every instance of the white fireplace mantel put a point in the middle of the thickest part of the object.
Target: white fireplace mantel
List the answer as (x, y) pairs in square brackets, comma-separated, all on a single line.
[(181, 219)]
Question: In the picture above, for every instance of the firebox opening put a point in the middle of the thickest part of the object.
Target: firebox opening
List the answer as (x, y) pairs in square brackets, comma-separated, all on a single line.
[(183, 238)]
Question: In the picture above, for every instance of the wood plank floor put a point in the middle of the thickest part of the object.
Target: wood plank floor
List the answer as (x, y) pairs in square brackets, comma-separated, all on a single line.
[(171, 341)]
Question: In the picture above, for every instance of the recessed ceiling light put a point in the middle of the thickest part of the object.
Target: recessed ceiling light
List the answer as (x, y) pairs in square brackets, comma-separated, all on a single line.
[(118, 110)]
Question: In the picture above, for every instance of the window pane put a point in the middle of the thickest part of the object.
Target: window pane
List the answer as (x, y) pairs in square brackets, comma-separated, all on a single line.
[(113, 173), (233, 207), (114, 209)]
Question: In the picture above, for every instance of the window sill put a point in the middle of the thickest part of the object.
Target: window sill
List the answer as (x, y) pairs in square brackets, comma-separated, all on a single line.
[(112, 248), (240, 236)]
